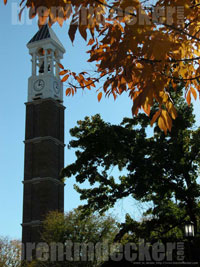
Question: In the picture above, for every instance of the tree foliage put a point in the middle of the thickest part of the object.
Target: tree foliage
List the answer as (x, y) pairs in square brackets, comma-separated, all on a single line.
[(10, 252), (159, 169), (138, 48), (77, 228), (73, 227)]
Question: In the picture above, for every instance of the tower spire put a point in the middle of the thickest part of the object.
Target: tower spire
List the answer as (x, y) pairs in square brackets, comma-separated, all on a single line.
[(46, 51), (46, 33)]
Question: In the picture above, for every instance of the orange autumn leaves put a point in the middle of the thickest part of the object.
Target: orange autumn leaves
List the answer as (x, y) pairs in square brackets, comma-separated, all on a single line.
[(84, 82), (135, 49)]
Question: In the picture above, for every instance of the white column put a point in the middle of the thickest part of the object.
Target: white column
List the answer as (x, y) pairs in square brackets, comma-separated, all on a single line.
[(57, 68), (33, 64), (45, 61), (52, 62)]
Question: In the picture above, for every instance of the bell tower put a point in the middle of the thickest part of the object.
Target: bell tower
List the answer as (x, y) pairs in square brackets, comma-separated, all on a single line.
[(44, 135), (46, 51)]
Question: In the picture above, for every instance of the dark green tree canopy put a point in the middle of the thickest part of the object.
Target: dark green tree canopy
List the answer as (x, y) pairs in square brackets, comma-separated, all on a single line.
[(160, 169)]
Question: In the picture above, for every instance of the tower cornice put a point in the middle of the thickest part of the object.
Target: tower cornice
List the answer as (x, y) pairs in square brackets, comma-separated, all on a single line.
[(43, 179), (44, 138), (41, 100)]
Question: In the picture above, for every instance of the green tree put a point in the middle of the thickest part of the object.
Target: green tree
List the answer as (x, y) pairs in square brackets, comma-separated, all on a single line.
[(159, 169), (75, 229), (78, 228)]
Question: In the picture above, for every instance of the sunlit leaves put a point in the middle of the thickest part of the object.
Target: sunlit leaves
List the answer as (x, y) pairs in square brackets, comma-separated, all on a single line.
[(135, 50), (194, 93), (70, 91), (164, 121), (64, 79), (61, 66), (155, 117), (63, 72), (188, 98), (99, 96), (82, 80)]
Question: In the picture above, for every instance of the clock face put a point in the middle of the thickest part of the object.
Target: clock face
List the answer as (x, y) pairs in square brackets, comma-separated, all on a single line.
[(39, 85), (56, 87)]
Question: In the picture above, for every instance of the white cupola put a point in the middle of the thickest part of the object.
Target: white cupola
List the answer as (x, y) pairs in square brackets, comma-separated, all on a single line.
[(46, 51)]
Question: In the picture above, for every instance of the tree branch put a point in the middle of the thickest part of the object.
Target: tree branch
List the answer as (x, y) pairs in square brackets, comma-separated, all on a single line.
[(92, 83)]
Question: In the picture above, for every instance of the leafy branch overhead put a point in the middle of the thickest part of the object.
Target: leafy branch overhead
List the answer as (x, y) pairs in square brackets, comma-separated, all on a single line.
[(137, 48)]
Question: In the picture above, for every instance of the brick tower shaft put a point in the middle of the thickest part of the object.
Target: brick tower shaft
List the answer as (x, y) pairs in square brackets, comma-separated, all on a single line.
[(44, 135)]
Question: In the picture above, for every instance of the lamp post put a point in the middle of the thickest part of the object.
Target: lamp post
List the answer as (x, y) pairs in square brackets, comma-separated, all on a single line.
[(189, 234), (189, 229)]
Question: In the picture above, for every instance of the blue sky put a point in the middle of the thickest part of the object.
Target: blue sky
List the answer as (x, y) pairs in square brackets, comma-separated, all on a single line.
[(14, 72)]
